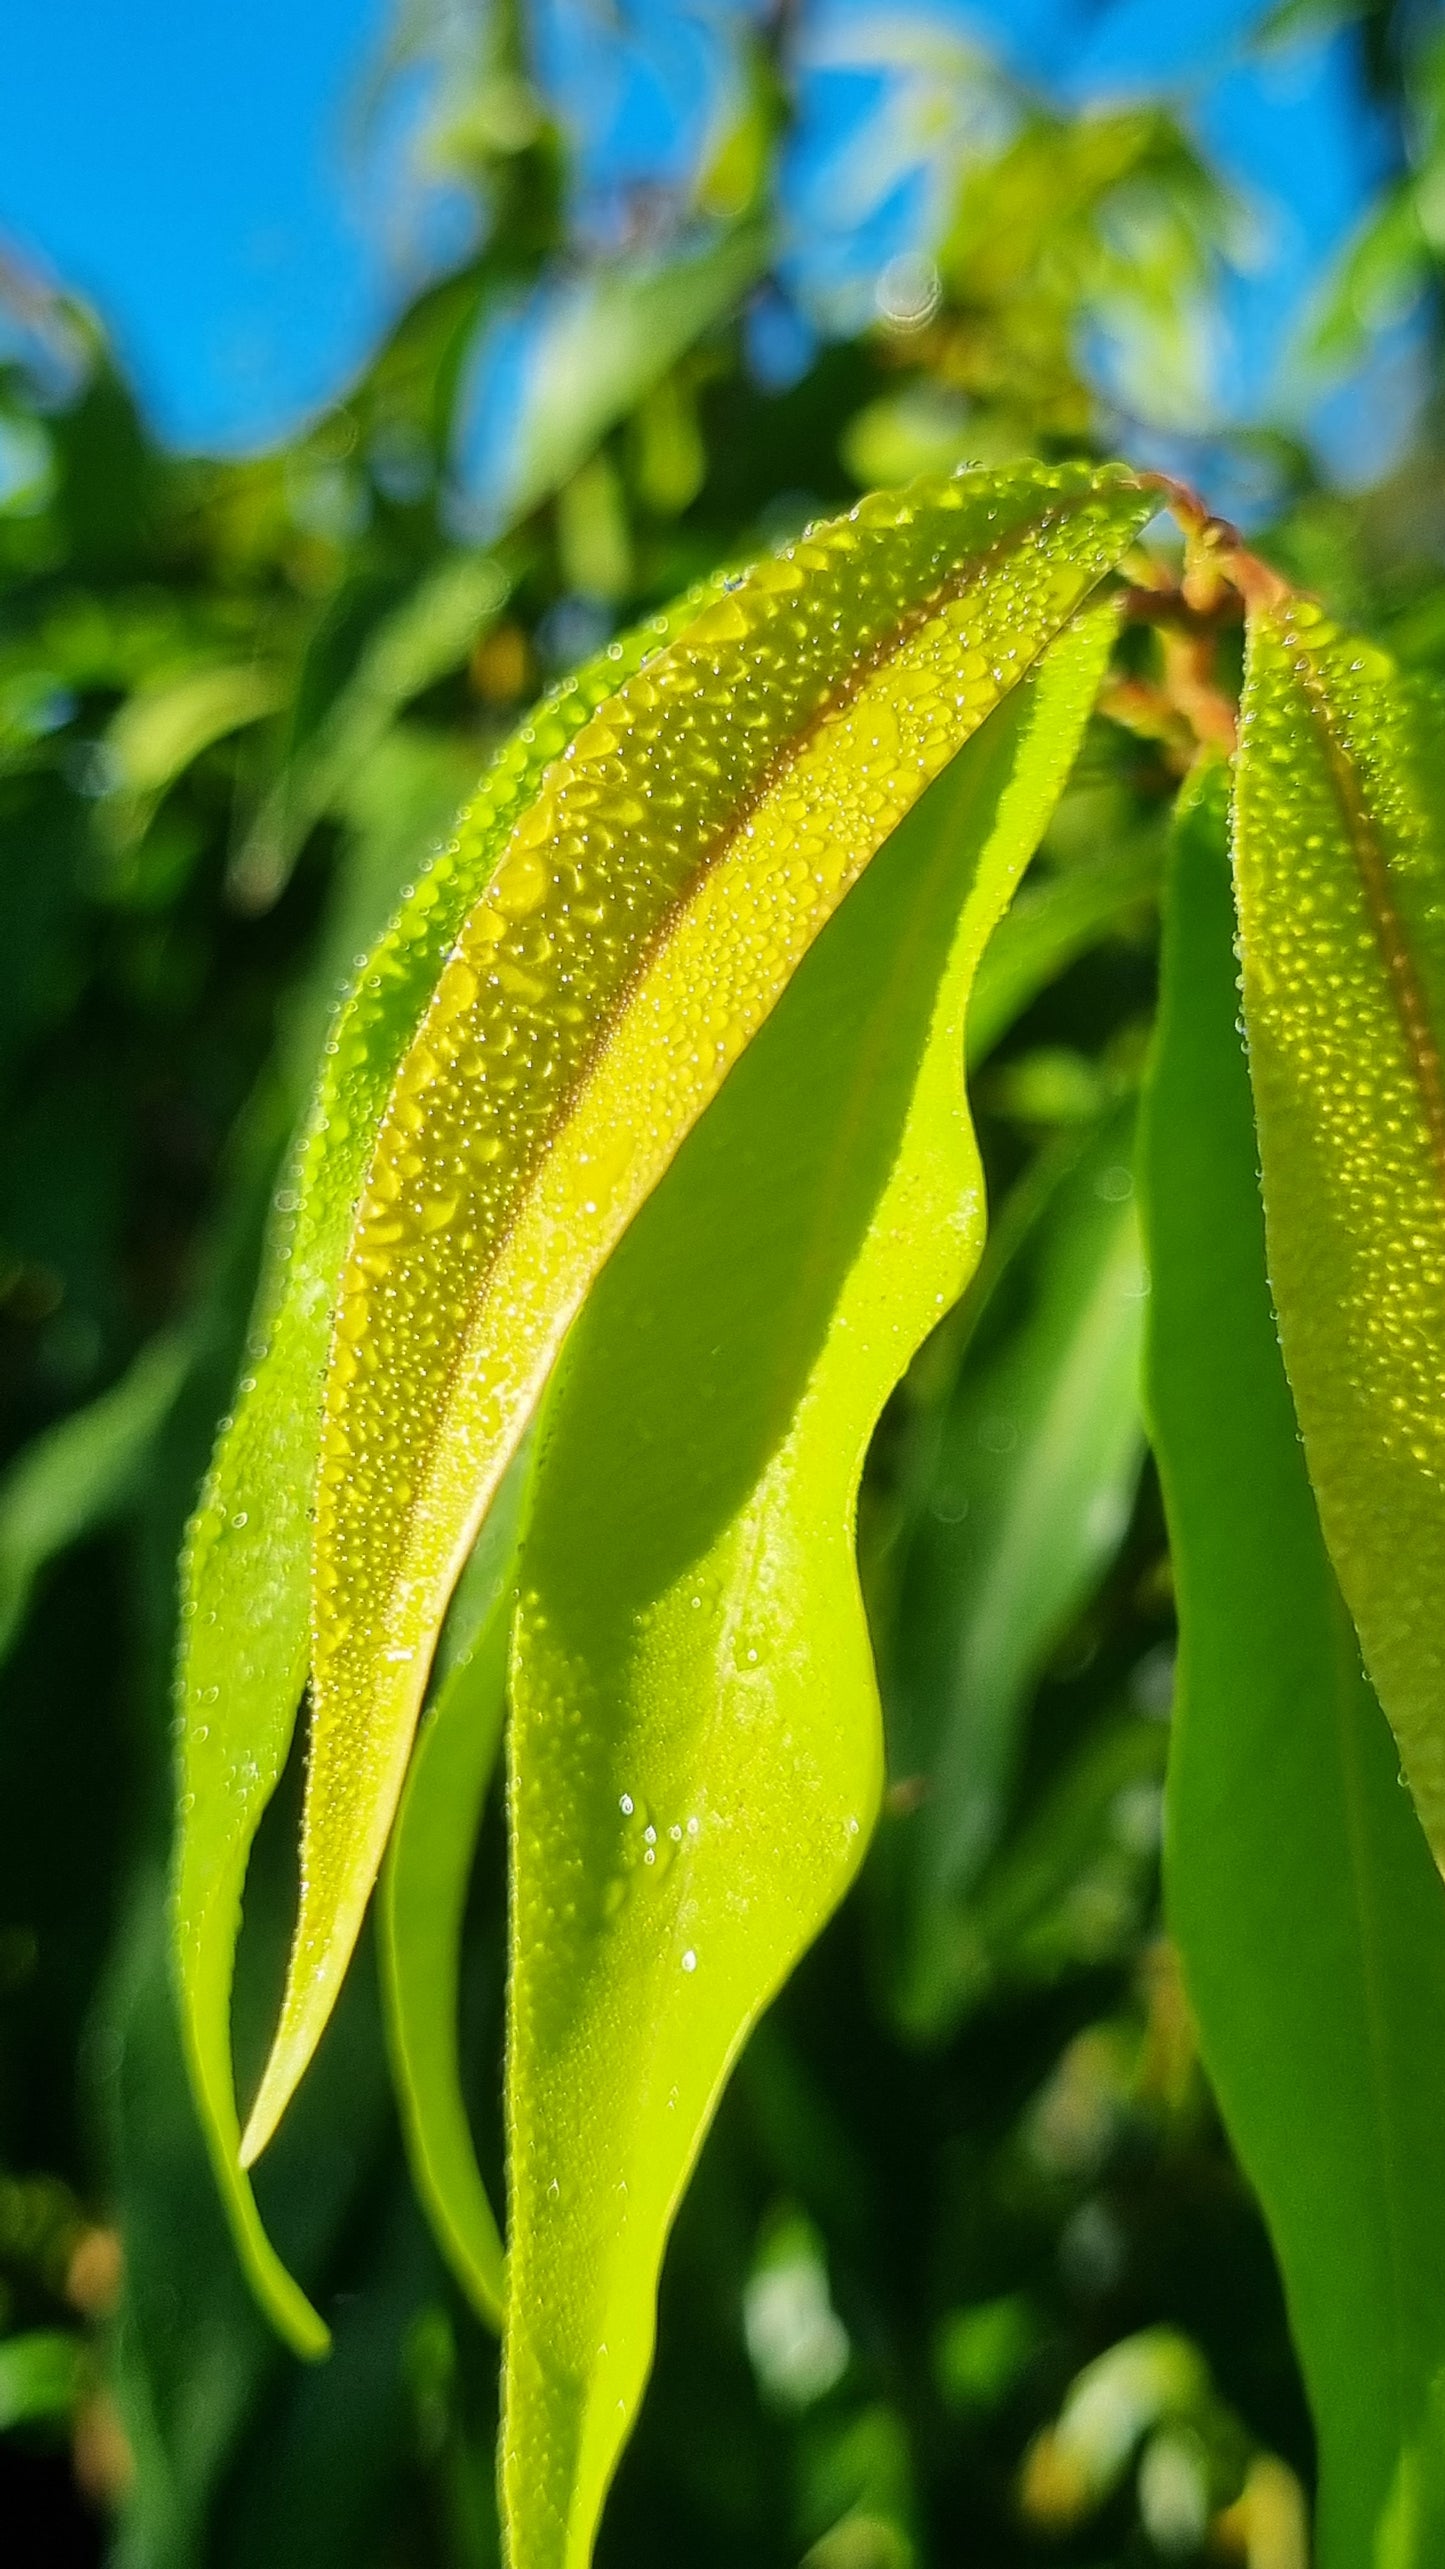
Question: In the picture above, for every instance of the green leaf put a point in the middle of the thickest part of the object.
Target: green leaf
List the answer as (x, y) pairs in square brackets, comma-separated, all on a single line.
[(1027, 1497), (81, 1472), (608, 339), (160, 729), (646, 916), (696, 1754), (244, 1643), (431, 632), (424, 1891), (1339, 866), (1051, 924), (1310, 1917), (42, 2376)]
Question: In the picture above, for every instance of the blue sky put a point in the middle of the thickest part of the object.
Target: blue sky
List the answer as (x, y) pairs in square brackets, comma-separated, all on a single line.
[(205, 174)]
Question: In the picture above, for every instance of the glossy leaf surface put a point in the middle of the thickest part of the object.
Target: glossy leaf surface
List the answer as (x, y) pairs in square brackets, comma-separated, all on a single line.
[(696, 1752), (245, 1574), (648, 911), (1300, 1887), (1340, 872)]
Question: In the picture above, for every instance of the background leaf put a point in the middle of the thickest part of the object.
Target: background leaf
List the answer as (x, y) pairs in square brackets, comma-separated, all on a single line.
[(1029, 1482), (82, 1472)]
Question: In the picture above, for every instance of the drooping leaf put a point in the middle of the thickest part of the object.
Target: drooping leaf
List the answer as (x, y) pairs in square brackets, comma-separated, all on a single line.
[(1026, 1499), (244, 1577), (424, 1890), (1340, 870), (646, 916), (42, 2377), (696, 1753), (1310, 1917)]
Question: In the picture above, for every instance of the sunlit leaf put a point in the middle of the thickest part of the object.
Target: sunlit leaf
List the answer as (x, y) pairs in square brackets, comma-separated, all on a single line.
[(1025, 1501), (1340, 871), (696, 1750), (1310, 1917), (649, 910), (244, 1580)]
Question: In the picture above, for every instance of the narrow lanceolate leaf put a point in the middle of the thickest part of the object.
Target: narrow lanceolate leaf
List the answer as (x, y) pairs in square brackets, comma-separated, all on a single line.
[(648, 911), (246, 1570), (696, 1746), (1341, 881), (424, 1895), (1309, 1915)]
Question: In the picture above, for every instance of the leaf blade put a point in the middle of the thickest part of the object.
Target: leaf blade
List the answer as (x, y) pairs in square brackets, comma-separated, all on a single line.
[(1338, 859), (1310, 1917), (671, 924), (244, 1577), (696, 1751)]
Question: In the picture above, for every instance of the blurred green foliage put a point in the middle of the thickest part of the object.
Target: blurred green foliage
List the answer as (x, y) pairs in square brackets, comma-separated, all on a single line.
[(968, 2270)]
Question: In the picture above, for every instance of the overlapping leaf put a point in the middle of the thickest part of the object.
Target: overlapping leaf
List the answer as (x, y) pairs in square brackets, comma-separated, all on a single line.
[(696, 1746), (647, 913), (1311, 1919), (244, 1579), (1341, 875)]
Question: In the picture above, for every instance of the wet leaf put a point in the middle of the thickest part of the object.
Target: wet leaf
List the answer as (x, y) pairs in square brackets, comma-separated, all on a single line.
[(1310, 1917), (648, 911), (244, 1578), (1340, 867), (696, 1754)]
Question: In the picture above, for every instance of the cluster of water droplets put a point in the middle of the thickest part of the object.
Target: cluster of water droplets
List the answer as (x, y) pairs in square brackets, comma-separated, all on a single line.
[(1341, 878), (1341, 886), (246, 1575), (788, 727)]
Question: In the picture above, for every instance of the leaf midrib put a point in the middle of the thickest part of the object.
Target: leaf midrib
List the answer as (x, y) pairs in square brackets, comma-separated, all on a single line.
[(1373, 869), (784, 759)]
